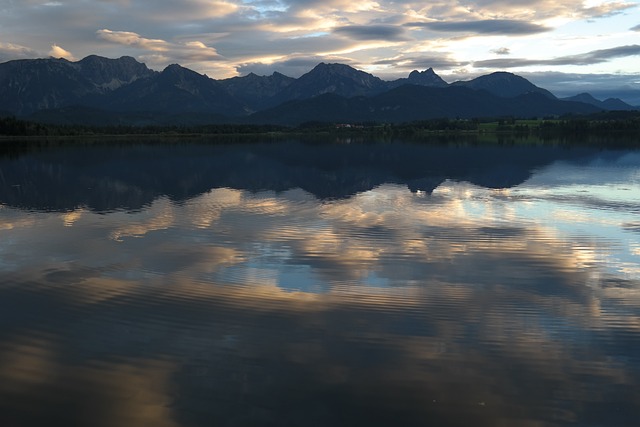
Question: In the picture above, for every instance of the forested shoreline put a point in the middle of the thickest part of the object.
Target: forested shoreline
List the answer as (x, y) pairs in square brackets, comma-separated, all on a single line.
[(625, 123)]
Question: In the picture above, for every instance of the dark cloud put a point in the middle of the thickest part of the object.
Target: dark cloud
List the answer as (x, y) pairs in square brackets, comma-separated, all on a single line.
[(486, 26), (501, 51), (372, 32), (251, 44), (589, 58), (636, 28), (423, 62)]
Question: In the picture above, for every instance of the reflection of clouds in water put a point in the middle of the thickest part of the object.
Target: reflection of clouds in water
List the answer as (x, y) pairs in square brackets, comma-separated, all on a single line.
[(388, 236), (44, 390), (12, 219), (205, 210), (159, 216), (70, 218), (468, 306), (389, 231), (176, 347)]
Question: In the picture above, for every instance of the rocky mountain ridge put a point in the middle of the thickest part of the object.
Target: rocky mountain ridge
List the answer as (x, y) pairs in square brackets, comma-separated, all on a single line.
[(125, 85)]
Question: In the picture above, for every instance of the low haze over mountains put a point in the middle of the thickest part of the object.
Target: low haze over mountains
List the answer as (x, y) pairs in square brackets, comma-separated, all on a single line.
[(98, 90)]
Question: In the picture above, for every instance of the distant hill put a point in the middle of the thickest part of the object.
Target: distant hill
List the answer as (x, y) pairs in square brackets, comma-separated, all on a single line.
[(610, 104), (99, 90), (504, 84), (409, 103)]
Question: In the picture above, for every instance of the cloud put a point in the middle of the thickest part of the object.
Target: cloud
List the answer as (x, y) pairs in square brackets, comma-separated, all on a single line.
[(539, 9), (58, 52), (187, 10), (501, 51), (589, 58), (485, 26), (323, 6), (372, 32), (294, 66), (161, 52), (133, 39), (636, 28), (421, 62), (605, 10), (10, 51)]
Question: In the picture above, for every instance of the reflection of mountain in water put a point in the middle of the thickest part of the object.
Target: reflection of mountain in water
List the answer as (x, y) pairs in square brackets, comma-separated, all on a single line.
[(112, 176)]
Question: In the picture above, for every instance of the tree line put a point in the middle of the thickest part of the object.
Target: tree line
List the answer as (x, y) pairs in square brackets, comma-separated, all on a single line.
[(613, 122)]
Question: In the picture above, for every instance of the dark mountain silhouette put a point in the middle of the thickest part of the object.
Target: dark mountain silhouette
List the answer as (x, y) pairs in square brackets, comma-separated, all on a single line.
[(38, 84), (257, 91), (338, 79), (422, 78), (110, 74), (409, 103), (175, 90), (60, 91), (504, 84), (612, 104)]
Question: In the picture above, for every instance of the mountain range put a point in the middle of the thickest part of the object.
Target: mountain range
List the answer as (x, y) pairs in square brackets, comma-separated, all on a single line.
[(97, 90)]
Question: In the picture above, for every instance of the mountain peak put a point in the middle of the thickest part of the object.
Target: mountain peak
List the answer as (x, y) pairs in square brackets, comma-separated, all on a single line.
[(504, 84), (341, 71), (335, 68), (173, 68), (427, 77), (110, 74), (428, 71), (179, 70), (340, 79)]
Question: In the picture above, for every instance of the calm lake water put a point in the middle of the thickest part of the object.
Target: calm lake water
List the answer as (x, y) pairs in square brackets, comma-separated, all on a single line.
[(319, 284)]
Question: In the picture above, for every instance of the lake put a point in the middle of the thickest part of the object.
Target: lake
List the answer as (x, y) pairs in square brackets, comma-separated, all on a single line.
[(319, 283)]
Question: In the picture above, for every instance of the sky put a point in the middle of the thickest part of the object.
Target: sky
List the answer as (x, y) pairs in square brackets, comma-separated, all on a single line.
[(565, 46)]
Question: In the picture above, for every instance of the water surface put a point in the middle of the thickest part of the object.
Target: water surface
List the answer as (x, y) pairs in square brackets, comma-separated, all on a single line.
[(292, 283)]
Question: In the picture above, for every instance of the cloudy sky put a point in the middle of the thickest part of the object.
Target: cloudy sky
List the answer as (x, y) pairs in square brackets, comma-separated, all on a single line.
[(551, 42)]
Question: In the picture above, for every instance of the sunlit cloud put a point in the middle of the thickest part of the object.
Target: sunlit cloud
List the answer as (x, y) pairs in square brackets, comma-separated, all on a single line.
[(188, 10), (158, 52), (132, 39), (9, 51), (605, 8), (324, 6), (58, 52)]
